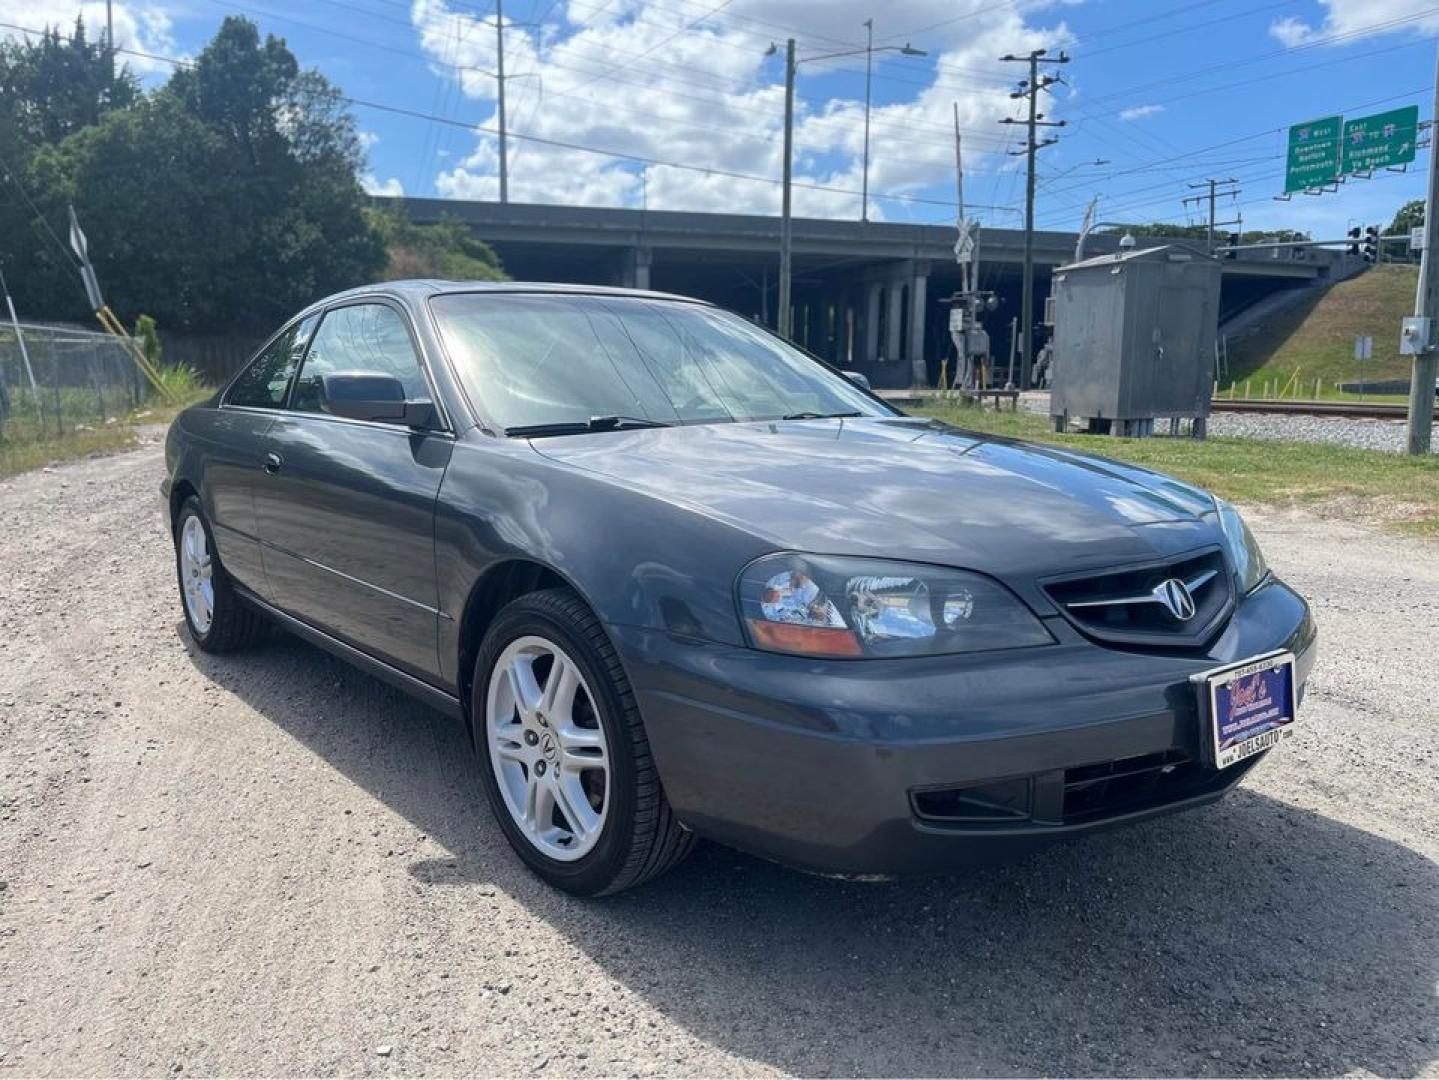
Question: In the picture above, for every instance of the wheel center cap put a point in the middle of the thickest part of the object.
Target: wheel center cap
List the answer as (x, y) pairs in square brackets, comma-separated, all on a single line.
[(549, 747)]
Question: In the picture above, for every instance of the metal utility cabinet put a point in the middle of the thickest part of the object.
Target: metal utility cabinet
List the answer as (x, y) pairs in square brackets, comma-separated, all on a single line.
[(1134, 339)]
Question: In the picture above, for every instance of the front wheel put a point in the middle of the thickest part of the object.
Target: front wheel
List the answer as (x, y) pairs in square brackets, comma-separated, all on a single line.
[(565, 760), (218, 620)]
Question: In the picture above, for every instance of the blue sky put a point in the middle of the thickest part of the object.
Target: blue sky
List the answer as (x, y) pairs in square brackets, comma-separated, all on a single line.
[(1158, 95)]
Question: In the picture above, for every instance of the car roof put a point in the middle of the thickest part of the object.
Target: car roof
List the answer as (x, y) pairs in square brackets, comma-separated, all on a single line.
[(423, 288)]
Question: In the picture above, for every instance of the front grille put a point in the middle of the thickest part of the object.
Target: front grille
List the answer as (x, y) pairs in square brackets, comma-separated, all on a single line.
[(1142, 605)]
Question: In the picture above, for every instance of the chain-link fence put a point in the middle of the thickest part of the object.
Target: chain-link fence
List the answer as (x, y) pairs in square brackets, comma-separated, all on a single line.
[(63, 378)]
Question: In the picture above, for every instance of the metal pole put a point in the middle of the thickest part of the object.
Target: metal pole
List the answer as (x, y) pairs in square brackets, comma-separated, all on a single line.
[(1209, 235), (500, 78), (20, 340), (1421, 387), (110, 45), (783, 313), (1026, 305), (868, 65)]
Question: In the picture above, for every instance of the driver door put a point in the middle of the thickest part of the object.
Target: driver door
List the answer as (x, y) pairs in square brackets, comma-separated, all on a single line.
[(346, 507)]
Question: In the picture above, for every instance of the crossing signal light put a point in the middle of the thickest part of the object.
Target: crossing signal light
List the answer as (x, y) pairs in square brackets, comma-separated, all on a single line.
[(1371, 244), (1231, 241), (1354, 235)]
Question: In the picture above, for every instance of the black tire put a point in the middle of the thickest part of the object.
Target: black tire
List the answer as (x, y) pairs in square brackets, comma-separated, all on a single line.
[(234, 624), (640, 838)]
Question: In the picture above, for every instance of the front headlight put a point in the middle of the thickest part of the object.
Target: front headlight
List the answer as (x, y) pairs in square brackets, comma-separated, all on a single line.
[(825, 606), (1249, 566)]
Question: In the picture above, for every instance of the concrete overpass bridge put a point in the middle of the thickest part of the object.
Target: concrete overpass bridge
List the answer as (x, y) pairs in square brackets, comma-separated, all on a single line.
[(867, 295)]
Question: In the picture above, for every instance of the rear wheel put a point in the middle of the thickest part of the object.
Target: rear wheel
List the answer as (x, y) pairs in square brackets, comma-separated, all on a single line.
[(565, 759), (218, 620)]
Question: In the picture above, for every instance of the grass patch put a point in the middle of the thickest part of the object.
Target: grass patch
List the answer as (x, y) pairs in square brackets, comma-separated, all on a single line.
[(26, 443), (1316, 339), (18, 457), (1392, 489)]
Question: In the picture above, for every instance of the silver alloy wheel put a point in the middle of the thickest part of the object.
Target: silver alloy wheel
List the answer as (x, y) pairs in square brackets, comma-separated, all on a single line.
[(196, 574), (547, 748)]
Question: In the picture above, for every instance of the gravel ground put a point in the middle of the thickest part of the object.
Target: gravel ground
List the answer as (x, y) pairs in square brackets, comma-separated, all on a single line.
[(271, 864), (1385, 435)]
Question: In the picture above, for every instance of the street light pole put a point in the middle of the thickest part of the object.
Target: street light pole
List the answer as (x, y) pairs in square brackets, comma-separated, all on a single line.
[(784, 313), (500, 78), (868, 67), (783, 320)]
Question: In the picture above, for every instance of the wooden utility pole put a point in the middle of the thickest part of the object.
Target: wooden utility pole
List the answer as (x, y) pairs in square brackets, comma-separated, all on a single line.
[(1030, 88)]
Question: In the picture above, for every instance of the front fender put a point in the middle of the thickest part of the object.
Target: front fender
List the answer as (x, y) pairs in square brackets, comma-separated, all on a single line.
[(637, 560)]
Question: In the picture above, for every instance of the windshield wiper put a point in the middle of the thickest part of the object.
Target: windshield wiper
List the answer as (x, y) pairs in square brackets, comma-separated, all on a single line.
[(819, 415), (579, 427)]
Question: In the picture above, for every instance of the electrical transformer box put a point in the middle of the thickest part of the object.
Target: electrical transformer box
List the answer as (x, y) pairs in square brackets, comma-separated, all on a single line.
[(1134, 338)]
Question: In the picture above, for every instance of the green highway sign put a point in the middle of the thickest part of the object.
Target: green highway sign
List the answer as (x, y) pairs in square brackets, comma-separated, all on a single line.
[(1314, 154), (1382, 140)]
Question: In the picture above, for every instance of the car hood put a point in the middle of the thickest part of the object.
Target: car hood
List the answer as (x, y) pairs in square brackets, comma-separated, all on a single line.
[(904, 488)]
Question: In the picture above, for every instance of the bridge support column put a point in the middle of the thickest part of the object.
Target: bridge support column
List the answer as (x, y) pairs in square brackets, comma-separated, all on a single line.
[(635, 273), (894, 321), (918, 316), (867, 344)]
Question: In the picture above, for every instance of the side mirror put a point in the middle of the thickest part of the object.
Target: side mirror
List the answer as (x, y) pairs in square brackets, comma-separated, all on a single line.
[(859, 379), (373, 395)]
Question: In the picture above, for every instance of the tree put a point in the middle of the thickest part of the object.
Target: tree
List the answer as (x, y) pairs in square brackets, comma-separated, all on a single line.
[(223, 201), (446, 250), (1409, 216)]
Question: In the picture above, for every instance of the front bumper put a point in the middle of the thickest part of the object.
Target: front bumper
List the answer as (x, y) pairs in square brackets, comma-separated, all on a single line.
[(891, 766)]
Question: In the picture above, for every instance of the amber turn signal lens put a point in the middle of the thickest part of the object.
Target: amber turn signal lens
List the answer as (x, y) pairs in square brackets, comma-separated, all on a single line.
[(811, 640)]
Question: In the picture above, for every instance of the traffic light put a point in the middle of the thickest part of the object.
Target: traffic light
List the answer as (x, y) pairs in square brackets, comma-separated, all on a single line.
[(1231, 241), (1371, 244), (1354, 235)]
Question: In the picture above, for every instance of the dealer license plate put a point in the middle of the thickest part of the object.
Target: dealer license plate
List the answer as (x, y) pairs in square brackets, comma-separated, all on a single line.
[(1248, 708)]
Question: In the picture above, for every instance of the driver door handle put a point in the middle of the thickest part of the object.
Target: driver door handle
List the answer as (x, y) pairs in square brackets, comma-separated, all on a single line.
[(273, 463)]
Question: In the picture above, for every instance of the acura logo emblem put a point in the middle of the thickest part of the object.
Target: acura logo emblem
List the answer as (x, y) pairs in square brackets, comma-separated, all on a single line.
[(1174, 595)]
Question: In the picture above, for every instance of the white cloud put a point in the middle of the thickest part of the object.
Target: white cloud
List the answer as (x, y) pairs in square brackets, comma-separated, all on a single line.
[(632, 76), (1353, 19), (367, 139), (375, 186), (144, 27), (1138, 112)]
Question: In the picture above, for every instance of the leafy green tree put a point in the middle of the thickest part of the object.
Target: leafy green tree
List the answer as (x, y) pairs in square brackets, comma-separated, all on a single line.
[(1409, 216), (221, 202), (446, 250)]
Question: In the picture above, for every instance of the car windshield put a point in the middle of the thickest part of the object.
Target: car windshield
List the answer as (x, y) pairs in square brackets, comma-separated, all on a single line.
[(534, 360)]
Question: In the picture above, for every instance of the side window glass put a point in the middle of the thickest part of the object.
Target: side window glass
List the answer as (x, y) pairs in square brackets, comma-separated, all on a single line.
[(361, 337), (263, 384)]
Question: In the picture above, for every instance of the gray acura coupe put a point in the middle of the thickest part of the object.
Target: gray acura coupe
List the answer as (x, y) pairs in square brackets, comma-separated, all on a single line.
[(682, 579)]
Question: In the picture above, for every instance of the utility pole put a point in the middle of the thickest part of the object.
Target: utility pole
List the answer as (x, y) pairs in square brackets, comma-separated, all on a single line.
[(110, 44), (1214, 193), (783, 313), (500, 80), (1426, 305), (1030, 88), (791, 67), (868, 66)]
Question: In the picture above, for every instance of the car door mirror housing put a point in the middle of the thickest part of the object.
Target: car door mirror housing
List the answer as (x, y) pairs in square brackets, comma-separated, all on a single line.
[(859, 379), (375, 396)]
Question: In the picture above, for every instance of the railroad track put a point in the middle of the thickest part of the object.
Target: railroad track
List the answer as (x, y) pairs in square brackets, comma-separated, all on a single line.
[(1352, 410)]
